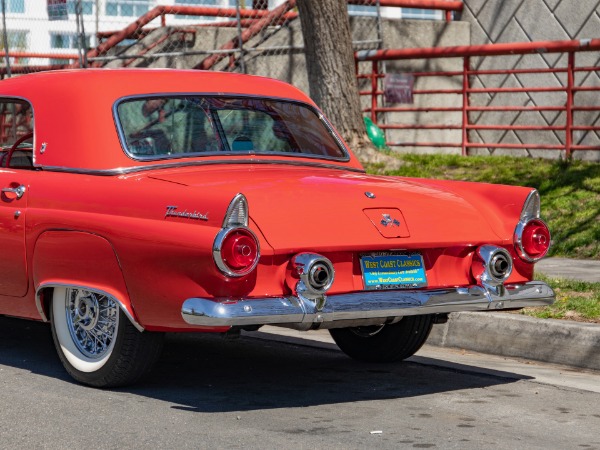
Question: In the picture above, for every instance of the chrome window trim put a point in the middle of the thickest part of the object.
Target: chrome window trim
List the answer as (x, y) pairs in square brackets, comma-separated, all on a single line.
[(134, 169), (316, 111)]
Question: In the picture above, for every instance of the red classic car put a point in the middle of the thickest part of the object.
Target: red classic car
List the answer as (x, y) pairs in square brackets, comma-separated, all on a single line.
[(138, 202)]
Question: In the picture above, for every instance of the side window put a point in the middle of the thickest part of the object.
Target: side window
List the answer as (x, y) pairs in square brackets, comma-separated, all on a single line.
[(16, 134)]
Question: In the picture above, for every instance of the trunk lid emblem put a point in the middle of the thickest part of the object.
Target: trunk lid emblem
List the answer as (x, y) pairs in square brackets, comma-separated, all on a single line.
[(389, 222)]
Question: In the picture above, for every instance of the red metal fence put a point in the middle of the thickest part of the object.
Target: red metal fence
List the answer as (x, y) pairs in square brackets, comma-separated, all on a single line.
[(574, 91), (172, 25)]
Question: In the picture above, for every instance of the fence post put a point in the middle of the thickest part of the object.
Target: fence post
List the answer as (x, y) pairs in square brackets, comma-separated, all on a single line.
[(5, 39), (570, 93), (238, 19), (374, 78), (465, 106)]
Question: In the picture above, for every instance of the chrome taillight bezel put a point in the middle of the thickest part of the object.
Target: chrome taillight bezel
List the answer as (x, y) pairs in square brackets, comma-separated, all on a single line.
[(529, 213), (218, 256), (236, 219), (518, 239)]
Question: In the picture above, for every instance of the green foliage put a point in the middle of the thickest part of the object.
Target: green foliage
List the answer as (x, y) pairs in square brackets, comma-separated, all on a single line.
[(570, 191), (575, 300)]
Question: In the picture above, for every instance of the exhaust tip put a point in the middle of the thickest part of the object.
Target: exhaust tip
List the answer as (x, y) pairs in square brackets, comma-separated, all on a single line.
[(316, 273), (492, 265)]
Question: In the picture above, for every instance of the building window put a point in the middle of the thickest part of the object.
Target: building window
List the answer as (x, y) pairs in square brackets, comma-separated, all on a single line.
[(396, 13), (67, 40), (87, 7), (220, 3), (357, 10), (422, 14), (17, 40), (14, 6), (129, 8)]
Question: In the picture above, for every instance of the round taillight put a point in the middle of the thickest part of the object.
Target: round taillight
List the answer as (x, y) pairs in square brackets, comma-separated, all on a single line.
[(239, 250), (533, 239), (536, 239), (236, 251)]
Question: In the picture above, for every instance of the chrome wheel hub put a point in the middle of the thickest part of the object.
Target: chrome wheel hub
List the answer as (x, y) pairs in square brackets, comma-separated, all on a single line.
[(92, 321)]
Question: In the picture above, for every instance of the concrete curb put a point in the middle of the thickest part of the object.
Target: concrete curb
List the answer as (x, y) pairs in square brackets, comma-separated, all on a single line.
[(554, 341)]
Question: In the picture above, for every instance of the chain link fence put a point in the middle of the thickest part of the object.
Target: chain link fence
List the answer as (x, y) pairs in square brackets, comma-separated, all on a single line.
[(251, 36)]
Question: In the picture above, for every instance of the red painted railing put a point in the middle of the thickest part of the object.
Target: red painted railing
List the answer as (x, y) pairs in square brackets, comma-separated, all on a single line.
[(578, 98), (251, 20)]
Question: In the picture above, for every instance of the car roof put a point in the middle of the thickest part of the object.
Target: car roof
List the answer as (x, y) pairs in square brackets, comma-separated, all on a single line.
[(73, 109)]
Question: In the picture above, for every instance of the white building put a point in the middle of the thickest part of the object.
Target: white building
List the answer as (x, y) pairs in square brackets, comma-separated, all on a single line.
[(30, 30)]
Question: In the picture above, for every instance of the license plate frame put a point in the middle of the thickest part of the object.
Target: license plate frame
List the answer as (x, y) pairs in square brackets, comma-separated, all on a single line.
[(391, 270)]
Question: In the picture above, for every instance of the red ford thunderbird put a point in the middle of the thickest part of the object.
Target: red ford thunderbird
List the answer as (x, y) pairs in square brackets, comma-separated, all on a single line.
[(138, 202)]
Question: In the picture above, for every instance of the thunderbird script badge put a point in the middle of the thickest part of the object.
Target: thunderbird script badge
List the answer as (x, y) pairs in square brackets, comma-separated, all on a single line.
[(185, 214)]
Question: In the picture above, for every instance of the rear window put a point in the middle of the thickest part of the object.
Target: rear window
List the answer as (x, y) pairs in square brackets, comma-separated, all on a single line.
[(160, 127)]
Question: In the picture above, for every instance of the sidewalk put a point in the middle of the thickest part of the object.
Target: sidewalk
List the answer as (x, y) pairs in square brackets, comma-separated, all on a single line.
[(577, 269), (555, 341)]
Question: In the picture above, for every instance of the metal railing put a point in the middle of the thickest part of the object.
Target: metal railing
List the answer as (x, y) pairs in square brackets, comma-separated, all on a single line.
[(569, 104), (114, 46)]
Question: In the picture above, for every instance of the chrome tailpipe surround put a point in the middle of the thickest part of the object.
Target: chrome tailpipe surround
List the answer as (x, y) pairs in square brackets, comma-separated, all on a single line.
[(492, 266)]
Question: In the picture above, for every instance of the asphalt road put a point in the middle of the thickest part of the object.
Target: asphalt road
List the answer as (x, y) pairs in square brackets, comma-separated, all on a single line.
[(207, 392)]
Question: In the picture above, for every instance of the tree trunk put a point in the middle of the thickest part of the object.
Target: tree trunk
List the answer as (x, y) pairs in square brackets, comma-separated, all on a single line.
[(331, 72)]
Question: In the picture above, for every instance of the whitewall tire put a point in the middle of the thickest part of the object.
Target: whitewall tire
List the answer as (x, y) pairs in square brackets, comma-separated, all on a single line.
[(95, 340)]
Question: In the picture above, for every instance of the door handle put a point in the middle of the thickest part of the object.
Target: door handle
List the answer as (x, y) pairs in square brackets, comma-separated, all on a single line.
[(17, 191)]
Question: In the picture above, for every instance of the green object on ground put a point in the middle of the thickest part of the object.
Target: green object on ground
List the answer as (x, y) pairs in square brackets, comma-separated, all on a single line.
[(375, 134)]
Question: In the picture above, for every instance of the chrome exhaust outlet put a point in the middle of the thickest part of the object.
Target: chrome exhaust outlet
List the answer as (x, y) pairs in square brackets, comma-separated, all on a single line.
[(492, 266), (316, 275)]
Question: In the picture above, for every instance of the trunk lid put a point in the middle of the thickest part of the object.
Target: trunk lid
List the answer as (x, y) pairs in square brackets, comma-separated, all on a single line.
[(299, 208)]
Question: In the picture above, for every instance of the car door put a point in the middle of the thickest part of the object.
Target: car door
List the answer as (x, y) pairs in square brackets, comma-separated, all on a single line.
[(16, 164)]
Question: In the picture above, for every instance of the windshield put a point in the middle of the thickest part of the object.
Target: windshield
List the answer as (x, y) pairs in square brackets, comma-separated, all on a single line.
[(160, 127)]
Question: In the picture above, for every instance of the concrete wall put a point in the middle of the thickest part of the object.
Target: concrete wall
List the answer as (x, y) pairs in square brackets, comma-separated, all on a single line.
[(291, 67), (418, 34), (495, 21)]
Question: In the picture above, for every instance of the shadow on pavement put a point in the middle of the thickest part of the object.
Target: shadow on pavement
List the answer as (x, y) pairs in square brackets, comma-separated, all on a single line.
[(206, 373)]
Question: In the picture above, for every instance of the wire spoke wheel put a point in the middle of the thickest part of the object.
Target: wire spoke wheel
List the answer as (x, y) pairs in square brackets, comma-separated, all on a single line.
[(96, 342), (92, 320)]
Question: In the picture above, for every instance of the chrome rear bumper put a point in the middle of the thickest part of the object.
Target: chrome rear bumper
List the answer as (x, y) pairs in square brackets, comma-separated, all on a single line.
[(365, 305)]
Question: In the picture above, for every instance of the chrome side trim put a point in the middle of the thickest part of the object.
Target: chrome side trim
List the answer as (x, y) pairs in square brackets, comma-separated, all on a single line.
[(135, 169), (304, 314), (38, 301)]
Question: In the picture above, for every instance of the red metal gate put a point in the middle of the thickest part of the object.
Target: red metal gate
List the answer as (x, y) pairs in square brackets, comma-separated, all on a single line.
[(578, 88)]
